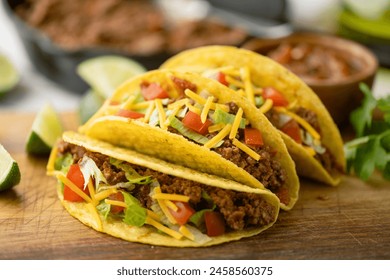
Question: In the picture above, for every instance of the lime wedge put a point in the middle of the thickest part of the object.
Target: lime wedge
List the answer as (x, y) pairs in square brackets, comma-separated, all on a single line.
[(45, 131), (105, 73), (89, 104), (9, 170), (9, 77)]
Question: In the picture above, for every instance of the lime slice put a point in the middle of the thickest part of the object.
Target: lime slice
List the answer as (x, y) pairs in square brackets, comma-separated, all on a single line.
[(45, 131), (89, 104), (9, 170), (105, 73), (9, 77)]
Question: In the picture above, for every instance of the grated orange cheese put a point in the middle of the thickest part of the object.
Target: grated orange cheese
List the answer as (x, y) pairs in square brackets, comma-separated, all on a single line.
[(216, 127), (104, 194), (52, 159), (141, 105), (236, 123), (96, 216), (179, 103), (246, 79), (153, 215), (193, 108), (266, 106), (129, 102), (164, 207), (310, 150), (301, 121), (116, 203), (92, 192), (221, 135), (222, 107), (73, 187), (157, 225), (184, 230), (246, 149), (234, 82), (171, 205), (161, 114), (149, 111), (206, 109), (169, 196)]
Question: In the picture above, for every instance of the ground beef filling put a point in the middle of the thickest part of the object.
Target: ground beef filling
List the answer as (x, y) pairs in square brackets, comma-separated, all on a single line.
[(326, 159), (240, 210)]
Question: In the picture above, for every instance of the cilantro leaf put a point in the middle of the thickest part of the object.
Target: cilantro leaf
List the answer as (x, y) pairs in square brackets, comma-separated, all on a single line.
[(361, 118)]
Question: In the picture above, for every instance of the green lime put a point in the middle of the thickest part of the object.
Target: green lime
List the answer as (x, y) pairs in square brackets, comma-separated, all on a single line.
[(9, 77), (9, 170), (89, 104), (45, 131), (105, 73)]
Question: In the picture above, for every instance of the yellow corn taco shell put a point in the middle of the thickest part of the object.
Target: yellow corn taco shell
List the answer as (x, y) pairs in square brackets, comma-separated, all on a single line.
[(265, 72), (155, 141), (87, 212)]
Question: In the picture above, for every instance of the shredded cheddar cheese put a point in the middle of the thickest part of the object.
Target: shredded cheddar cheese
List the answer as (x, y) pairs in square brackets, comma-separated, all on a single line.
[(171, 205), (222, 107), (129, 102), (153, 215), (168, 196), (141, 105), (234, 82), (216, 127), (149, 111), (164, 207), (96, 216), (104, 194), (92, 192), (184, 230), (179, 103), (246, 78), (52, 159), (73, 187), (236, 124), (266, 106), (193, 108), (161, 113), (221, 135), (301, 121), (116, 203), (157, 225), (310, 150), (173, 114), (206, 109), (246, 149)]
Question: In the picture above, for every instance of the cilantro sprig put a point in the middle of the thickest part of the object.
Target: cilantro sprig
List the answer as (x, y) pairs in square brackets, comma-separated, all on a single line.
[(370, 149)]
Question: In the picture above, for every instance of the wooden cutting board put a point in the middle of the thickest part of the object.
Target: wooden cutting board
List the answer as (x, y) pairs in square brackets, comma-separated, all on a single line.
[(351, 221)]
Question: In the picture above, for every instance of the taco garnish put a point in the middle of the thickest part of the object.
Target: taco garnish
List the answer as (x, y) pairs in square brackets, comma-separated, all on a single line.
[(143, 199), (200, 124), (311, 136)]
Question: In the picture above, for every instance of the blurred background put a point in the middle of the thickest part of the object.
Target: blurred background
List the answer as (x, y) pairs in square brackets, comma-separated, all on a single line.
[(46, 40)]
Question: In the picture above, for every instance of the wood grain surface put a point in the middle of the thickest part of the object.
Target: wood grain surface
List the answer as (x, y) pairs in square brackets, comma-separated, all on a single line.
[(351, 221)]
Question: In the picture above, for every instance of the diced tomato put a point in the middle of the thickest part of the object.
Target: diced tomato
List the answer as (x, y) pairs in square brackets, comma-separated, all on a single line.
[(192, 121), (75, 175), (183, 213), (215, 225), (253, 137), (129, 114), (291, 128), (114, 208), (277, 98), (152, 91), (221, 77)]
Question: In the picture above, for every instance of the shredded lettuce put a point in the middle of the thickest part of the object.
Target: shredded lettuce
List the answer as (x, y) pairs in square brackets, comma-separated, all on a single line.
[(179, 126), (104, 209), (135, 214), (89, 169), (131, 175), (221, 116)]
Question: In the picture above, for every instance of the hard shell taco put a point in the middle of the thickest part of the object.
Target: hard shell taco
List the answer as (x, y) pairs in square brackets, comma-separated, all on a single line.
[(142, 199), (196, 122), (310, 134)]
